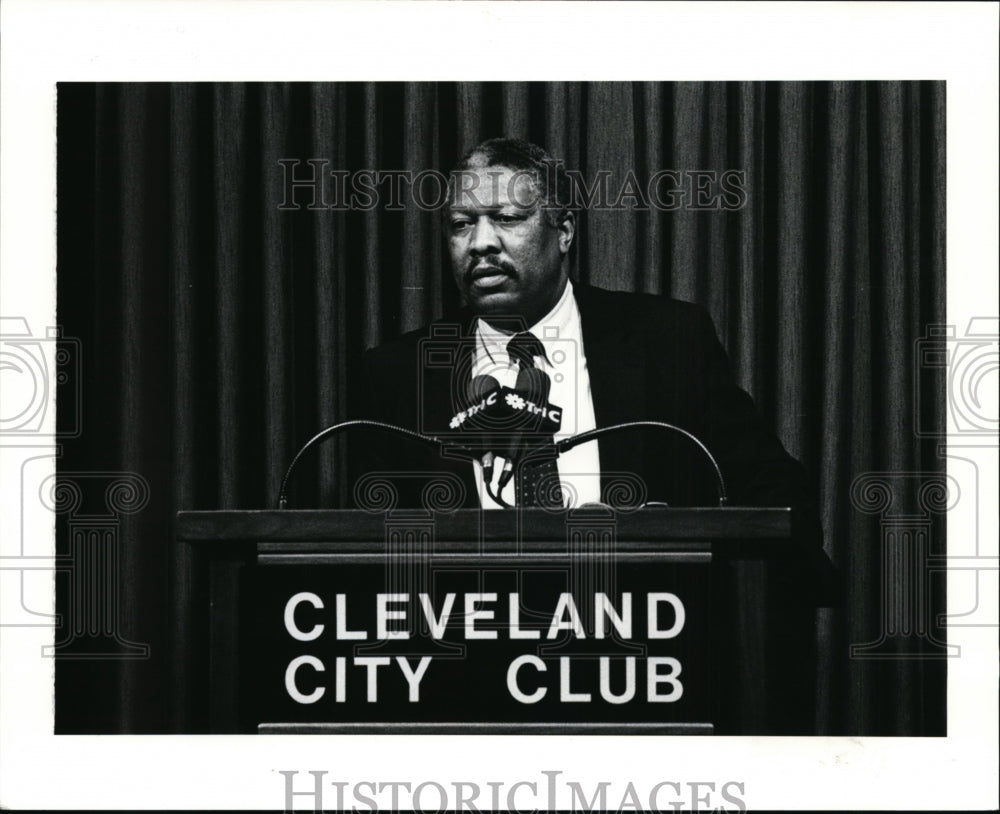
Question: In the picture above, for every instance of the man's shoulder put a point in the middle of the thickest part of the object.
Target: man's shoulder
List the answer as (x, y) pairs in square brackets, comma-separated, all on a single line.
[(631, 299), (448, 329), (640, 310)]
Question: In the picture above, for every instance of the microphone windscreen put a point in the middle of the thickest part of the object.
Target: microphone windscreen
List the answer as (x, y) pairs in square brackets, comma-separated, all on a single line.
[(480, 395), (534, 383), (479, 387)]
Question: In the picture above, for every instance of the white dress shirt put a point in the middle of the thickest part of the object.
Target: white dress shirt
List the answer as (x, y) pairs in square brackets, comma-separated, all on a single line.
[(566, 365)]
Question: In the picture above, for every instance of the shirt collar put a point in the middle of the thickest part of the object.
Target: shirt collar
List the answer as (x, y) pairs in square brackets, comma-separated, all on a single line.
[(555, 324)]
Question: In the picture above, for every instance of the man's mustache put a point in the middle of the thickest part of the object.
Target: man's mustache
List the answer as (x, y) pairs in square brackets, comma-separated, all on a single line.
[(477, 268)]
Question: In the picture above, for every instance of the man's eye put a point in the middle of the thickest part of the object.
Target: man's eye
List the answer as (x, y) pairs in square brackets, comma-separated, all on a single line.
[(508, 218), (460, 225)]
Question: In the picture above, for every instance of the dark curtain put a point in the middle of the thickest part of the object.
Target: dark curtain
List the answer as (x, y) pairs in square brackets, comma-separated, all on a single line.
[(219, 331)]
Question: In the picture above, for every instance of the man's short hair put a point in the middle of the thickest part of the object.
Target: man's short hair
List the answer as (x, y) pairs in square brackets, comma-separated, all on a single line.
[(551, 181)]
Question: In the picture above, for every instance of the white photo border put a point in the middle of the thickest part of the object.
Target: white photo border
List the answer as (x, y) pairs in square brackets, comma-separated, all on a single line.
[(45, 42)]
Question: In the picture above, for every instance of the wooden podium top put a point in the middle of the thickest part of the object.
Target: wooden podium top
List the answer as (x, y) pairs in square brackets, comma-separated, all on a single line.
[(530, 525), (333, 525), (736, 531)]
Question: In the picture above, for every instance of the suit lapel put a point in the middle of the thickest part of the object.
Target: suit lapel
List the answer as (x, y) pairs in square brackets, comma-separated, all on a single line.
[(616, 364)]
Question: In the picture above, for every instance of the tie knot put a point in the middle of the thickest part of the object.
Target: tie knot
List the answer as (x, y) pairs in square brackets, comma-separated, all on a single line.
[(524, 347)]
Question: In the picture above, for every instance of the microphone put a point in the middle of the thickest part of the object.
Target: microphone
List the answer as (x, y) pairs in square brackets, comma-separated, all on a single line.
[(337, 429), (575, 440), (533, 386), (479, 387), (481, 393), (496, 420)]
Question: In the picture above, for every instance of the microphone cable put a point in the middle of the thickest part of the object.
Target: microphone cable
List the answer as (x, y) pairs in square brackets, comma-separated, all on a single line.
[(496, 497)]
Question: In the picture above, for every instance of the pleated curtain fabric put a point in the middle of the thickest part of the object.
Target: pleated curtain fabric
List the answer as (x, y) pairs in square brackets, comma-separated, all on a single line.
[(220, 330)]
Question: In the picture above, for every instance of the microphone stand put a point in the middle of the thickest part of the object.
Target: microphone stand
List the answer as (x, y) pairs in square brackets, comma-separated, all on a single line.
[(359, 422), (560, 447), (568, 444)]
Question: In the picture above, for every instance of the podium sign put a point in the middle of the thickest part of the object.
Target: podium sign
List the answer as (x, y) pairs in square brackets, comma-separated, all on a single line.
[(351, 648), (498, 622)]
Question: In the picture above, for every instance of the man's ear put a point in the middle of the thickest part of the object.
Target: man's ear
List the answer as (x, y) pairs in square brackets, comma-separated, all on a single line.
[(567, 230)]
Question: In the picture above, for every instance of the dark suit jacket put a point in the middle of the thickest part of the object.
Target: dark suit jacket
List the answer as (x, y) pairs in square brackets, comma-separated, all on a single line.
[(649, 357)]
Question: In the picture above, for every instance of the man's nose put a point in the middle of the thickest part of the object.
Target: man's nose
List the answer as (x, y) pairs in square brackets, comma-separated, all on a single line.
[(485, 239)]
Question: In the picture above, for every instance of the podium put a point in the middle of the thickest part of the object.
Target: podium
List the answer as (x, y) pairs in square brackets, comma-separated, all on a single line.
[(590, 621)]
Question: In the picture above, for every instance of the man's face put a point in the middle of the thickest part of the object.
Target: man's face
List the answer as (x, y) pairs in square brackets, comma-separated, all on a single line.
[(506, 257)]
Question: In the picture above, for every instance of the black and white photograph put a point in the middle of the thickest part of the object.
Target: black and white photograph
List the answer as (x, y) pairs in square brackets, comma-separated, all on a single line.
[(257, 262), (370, 414)]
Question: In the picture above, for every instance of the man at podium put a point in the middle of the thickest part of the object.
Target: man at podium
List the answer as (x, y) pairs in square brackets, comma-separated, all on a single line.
[(581, 359), (596, 358)]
